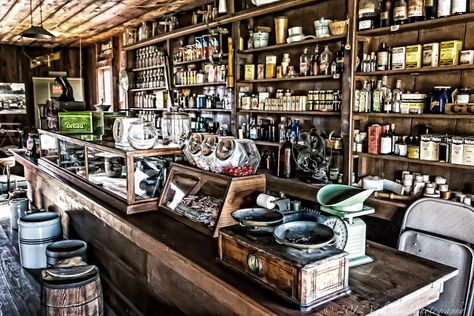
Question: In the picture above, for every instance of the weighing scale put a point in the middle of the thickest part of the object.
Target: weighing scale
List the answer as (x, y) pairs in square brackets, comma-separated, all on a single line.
[(345, 203)]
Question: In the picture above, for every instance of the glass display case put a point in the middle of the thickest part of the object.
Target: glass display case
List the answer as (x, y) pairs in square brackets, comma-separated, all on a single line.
[(128, 179)]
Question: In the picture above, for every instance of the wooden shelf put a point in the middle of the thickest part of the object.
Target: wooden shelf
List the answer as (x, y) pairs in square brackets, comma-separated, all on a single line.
[(418, 25), (415, 71), (288, 45), (309, 113), (357, 116), (147, 109), (196, 61), (417, 161), (200, 85), (305, 78), (207, 110), (147, 89), (238, 16), (267, 143), (147, 68)]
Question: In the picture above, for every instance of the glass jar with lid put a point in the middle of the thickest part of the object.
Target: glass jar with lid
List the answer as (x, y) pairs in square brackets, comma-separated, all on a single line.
[(142, 134)]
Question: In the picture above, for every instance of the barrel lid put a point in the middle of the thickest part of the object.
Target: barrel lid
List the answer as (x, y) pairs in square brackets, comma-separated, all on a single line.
[(39, 217), (62, 246)]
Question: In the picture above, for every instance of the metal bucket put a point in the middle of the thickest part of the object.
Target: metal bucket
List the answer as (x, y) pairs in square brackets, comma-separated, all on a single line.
[(36, 232), (18, 209), (65, 249)]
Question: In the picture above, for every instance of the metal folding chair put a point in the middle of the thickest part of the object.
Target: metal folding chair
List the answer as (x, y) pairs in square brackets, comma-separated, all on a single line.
[(441, 231)]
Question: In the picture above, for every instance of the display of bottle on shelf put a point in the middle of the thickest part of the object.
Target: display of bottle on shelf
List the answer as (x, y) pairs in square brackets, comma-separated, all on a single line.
[(317, 63), (154, 78), (149, 29), (383, 140), (447, 53), (205, 47), (156, 100), (209, 73), (383, 13), (211, 98), (149, 56), (268, 130), (315, 100), (381, 98), (202, 124)]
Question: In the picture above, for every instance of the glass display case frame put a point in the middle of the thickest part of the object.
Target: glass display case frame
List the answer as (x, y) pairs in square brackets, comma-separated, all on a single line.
[(127, 179)]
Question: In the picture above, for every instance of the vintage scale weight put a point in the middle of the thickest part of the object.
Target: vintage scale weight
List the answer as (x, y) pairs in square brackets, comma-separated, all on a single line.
[(345, 204)]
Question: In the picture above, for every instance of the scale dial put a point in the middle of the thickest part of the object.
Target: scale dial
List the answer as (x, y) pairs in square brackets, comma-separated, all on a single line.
[(340, 230)]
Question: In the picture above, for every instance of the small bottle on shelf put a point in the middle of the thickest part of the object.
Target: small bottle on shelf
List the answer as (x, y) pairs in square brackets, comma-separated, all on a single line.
[(383, 57), (444, 8), (415, 10), (386, 13), (397, 97), (369, 11), (377, 98), (304, 63), (403, 147), (365, 98), (373, 61), (400, 12), (395, 139), (287, 165), (386, 142), (387, 95), (431, 6), (458, 7), (315, 61), (326, 61)]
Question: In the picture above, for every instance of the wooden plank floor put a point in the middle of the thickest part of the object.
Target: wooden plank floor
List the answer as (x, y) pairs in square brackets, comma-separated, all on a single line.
[(19, 290)]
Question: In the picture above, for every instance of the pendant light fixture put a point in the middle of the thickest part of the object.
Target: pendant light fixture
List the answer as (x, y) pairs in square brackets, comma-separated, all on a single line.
[(38, 32)]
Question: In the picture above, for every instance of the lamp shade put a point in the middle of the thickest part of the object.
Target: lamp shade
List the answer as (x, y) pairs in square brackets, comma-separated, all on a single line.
[(36, 32)]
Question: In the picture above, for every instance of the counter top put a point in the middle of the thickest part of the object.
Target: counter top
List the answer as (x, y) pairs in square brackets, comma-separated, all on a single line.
[(396, 283)]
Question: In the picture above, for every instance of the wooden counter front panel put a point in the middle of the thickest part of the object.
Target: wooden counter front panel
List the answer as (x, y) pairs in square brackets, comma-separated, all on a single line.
[(281, 277)]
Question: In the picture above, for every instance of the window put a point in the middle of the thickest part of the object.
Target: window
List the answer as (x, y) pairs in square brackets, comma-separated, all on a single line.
[(104, 85)]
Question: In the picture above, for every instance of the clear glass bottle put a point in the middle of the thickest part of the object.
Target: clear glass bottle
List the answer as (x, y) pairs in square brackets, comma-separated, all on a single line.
[(286, 161), (250, 40), (377, 98), (365, 98), (304, 63), (400, 12), (326, 60), (444, 8), (394, 137), (403, 147), (373, 61), (397, 97), (387, 95)]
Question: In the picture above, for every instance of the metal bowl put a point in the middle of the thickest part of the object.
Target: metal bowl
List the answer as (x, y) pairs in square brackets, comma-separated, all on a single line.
[(304, 235), (257, 217)]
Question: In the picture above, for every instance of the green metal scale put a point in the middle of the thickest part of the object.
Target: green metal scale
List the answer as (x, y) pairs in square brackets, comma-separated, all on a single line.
[(345, 204)]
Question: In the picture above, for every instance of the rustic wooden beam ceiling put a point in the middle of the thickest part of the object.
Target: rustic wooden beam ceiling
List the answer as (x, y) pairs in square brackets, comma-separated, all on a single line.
[(71, 20)]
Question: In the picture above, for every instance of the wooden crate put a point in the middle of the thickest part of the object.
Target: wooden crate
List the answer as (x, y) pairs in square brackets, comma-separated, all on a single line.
[(235, 192)]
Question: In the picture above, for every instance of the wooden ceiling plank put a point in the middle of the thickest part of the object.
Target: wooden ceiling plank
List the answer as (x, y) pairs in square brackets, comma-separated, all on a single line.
[(18, 11), (7, 7)]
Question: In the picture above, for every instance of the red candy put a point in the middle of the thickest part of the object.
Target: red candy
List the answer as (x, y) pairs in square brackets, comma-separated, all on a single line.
[(246, 170)]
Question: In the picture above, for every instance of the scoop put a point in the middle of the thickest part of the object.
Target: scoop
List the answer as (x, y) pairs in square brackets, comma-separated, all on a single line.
[(343, 198)]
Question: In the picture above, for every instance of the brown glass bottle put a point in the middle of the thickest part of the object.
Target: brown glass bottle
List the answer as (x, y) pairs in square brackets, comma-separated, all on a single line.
[(400, 12), (415, 10), (431, 6), (386, 13), (286, 162)]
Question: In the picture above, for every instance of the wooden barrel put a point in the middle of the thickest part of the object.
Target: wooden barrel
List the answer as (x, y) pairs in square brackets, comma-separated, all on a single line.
[(76, 295)]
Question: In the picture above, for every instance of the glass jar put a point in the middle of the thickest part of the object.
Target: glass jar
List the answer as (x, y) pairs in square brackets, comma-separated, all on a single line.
[(463, 95), (175, 126), (142, 134)]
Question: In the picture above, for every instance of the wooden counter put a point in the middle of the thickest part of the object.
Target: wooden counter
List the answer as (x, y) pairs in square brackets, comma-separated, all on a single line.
[(152, 264)]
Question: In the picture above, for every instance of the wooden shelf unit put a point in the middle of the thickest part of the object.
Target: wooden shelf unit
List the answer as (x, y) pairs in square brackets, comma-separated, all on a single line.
[(147, 89), (423, 80), (186, 62), (146, 68), (415, 71), (305, 78), (309, 113), (418, 25), (184, 86)]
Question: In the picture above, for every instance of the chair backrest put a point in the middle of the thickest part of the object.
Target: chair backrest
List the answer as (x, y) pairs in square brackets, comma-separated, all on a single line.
[(441, 231)]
